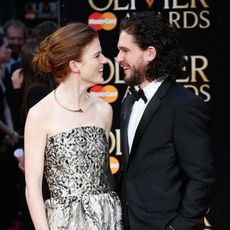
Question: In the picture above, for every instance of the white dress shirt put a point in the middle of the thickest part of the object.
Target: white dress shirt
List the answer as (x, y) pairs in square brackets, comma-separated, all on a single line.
[(139, 108)]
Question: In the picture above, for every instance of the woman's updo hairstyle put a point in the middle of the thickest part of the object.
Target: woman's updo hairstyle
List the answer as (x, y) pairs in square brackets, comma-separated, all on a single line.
[(65, 44)]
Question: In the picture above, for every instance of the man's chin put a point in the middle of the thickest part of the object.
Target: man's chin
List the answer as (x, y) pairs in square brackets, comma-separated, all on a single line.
[(127, 80), (129, 83)]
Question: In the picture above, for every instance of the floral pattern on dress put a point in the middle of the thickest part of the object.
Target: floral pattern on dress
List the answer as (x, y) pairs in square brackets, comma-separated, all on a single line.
[(76, 169)]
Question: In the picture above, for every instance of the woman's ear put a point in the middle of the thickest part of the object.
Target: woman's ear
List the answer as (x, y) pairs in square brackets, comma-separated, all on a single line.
[(150, 53), (73, 65)]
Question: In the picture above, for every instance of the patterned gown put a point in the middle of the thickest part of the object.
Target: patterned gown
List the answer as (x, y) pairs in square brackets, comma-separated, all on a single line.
[(76, 172)]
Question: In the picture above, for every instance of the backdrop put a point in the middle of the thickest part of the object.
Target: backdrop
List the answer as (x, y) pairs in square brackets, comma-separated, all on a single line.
[(203, 26)]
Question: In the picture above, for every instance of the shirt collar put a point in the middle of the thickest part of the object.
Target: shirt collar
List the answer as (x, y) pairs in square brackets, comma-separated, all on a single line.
[(151, 88)]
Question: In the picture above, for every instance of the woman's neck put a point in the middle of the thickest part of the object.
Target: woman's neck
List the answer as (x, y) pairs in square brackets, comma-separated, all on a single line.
[(71, 95)]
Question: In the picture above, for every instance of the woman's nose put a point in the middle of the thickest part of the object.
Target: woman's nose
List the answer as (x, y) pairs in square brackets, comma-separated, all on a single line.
[(104, 59)]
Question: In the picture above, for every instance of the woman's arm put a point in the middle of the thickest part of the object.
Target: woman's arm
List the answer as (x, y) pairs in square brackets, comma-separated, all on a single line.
[(108, 114), (35, 141)]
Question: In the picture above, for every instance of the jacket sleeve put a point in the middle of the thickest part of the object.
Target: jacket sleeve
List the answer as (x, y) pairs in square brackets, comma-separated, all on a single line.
[(192, 142)]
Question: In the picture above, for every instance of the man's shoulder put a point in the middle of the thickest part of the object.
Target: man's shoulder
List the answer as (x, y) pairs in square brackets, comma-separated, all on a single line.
[(179, 90)]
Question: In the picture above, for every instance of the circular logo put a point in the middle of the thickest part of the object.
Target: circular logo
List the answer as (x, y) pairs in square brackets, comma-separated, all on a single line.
[(114, 164), (110, 21), (106, 21), (108, 92), (95, 21)]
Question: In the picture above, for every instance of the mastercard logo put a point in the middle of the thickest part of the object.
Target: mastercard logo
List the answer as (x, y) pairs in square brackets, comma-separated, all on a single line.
[(106, 21), (114, 164), (108, 92)]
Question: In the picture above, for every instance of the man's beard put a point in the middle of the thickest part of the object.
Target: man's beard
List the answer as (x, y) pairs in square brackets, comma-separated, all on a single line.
[(137, 76)]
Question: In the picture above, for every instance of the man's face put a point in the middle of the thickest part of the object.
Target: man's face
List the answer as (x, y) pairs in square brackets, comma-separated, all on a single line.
[(16, 39), (131, 59)]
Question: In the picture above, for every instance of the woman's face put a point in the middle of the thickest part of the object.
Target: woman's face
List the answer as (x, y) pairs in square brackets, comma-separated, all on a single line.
[(92, 62), (5, 52)]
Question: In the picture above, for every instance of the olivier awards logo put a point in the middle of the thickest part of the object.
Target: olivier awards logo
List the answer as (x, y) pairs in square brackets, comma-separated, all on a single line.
[(197, 80), (188, 15)]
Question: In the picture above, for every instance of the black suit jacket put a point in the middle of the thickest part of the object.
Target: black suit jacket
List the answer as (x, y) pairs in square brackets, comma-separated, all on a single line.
[(168, 175)]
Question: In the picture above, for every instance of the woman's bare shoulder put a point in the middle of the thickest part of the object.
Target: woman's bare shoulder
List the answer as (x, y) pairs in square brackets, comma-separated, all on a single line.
[(100, 104)]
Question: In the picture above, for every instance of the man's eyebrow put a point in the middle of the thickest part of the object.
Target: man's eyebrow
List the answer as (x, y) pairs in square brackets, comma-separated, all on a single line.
[(123, 48)]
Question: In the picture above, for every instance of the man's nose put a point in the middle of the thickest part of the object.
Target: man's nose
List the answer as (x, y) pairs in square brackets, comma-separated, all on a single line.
[(119, 57)]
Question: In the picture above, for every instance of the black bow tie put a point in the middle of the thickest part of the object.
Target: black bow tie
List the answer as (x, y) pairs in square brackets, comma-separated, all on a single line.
[(138, 94)]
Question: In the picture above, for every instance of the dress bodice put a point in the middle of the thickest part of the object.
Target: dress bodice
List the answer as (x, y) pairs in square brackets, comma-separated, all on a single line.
[(76, 162), (76, 168)]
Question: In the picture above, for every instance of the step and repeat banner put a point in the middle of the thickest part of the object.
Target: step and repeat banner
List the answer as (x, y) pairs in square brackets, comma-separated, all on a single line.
[(192, 17), (200, 25)]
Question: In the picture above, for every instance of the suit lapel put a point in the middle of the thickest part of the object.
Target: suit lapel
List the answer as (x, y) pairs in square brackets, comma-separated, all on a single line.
[(148, 114)]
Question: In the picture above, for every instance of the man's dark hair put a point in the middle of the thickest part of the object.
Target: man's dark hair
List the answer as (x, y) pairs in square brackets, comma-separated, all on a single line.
[(17, 24), (150, 28)]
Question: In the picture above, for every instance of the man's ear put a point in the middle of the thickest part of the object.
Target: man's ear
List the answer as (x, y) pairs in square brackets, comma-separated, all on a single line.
[(73, 65), (150, 53)]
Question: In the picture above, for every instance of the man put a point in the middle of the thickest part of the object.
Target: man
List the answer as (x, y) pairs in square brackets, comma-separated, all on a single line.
[(168, 172), (16, 33)]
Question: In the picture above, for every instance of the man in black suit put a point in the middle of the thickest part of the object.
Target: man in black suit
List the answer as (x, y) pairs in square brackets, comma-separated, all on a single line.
[(168, 167)]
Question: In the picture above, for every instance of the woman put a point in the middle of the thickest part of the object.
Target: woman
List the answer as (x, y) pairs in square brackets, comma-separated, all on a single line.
[(67, 134), (8, 139)]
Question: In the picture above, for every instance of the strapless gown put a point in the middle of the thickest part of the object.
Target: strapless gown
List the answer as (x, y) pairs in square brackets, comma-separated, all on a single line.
[(76, 166)]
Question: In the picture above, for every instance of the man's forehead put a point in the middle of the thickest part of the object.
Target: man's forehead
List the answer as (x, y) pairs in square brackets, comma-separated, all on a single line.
[(13, 29)]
